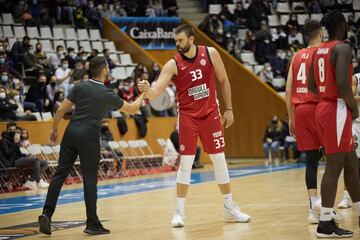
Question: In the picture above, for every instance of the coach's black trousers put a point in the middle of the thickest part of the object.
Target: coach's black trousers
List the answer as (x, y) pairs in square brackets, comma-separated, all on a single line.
[(83, 140)]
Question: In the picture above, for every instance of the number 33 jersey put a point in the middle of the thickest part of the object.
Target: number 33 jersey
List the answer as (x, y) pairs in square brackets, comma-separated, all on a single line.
[(300, 70), (325, 72), (195, 84)]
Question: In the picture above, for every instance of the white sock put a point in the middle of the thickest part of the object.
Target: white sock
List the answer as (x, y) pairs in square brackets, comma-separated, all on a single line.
[(357, 208), (326, 214), (347, 195), (228, 202), (313, 200), (180, 203)]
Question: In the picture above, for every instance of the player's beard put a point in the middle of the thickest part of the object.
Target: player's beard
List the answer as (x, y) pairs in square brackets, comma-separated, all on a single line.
[(183, 50)]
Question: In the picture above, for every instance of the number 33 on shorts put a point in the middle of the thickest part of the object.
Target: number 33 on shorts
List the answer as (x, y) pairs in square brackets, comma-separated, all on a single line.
[(219, 142)]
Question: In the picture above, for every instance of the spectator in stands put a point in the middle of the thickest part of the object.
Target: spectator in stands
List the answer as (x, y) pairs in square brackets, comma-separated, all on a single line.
[(70, 57), (108, 11), (174, 138), (18, 50), (155, 9), (55, 59), (39, 13), (9, 147), (7, 69), (266, 74), (281, 38), (258, 10), (226, 13), (170, 6), (59, 98), (21, 13), (7, 109), (264, 32), (63, 75), (65, 10), (138, 71), (44, 64), (93, 15), (51, 90), (30, 62), (272, 140), (352, 26), (279, 64), (38, 50), (120, 10), (265, 50), (229, 43), (249, 43), (24, 138), (94, 53), (314, 7), (78, 73), (292, 23), (126, 91), (155, 72), (357, 68), (80, 20), (82, 55), (214, 28), (11, 126), (240, 15), (111, 63), (295, 35), (36, 98)]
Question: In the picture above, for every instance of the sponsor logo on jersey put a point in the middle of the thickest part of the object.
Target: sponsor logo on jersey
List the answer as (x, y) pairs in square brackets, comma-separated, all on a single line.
[(203, 62), (323, 51), (301, 90), (305, 56), (199, 92), (217, 134)]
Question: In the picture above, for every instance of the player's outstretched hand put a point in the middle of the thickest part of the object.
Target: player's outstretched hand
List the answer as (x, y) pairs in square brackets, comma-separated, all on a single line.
[(53, 137), (143, 86), (228, 118)]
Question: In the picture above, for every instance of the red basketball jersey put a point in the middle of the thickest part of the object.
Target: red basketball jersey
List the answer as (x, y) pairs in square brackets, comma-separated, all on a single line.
[(195, 84), (324, 72), (300, 70)]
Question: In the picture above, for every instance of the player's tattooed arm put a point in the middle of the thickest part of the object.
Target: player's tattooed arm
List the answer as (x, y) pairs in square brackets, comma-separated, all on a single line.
[(341, 57), (165, 78)]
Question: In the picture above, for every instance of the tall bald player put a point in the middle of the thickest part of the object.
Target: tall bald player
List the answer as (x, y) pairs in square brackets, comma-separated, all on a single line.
[(301, 105), (194, 70)]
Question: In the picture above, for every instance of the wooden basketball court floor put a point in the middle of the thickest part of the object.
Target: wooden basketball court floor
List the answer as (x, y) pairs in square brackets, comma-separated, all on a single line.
[(141, 208)]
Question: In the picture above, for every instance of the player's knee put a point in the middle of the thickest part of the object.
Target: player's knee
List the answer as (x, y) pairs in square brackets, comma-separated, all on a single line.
[(184, 171), (220, 168)]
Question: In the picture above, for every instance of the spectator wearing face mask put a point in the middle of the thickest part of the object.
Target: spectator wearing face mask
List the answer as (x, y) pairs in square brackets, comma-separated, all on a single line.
[(82, 55), (19, 49), (266, 74), (272, 140), (71, 57), (55, 59), (126, 92), (294, 35), (63, 75), (155, 72), (36, 98), (240, 15), (7, 109), (139, 71), (265, 50), (51, 90), (58, 99), (292, 23), (10, 149), (93, 54), (30, 62), (78, 72), (280, 38), (279, 64)]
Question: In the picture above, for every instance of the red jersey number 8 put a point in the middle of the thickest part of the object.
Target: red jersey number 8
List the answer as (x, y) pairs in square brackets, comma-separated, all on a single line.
[(321, 69)]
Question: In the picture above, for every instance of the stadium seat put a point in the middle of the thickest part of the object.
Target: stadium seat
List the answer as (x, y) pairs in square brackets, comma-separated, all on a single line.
[(58, 33), (284, 19), (95, 34), (111, 46), (19, 31), (7, 19), (301, 18), (298, 7), (83, 34), (11, 42), (7, 31), (283, 7), (278, 82), (317, 16), (97, 45), (347, 14), (119, 73), (46, 45), (129, 71), (273, 20), (242, 34), (231, 8), (33, 42), (115, 58), (70, 34), (46, 116), (86, 45), (125, 59), (32, 32), (249, 58), (214, 8), (73, 44), (258, 68), (59, 43), (356, 5), (45, 32), (1, 32)]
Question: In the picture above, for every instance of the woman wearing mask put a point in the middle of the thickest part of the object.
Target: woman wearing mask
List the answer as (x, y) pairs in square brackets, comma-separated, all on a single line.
[(59, 98), (266, 75), (273, 138), (36, 98)]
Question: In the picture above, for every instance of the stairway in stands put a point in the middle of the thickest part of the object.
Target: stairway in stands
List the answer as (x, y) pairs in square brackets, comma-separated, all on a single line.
[(191, 9)]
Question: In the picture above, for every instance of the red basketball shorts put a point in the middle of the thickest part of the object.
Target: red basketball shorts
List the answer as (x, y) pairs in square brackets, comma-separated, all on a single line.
[(335, 126), (209, 129), (307, 135)]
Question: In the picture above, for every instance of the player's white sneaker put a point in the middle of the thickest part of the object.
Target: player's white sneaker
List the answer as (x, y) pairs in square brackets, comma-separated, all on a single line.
[(30, 184), (345, 203), (313, 216), (317, 205), (42, 184), (235, 214), (178, 219)]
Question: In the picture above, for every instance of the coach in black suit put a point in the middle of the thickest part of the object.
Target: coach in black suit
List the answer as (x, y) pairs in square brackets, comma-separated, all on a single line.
[(82, 137)]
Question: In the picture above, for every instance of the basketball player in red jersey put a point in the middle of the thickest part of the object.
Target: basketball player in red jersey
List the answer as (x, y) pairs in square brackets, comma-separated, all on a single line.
[(301, 105), (331, 77), (194, 70)]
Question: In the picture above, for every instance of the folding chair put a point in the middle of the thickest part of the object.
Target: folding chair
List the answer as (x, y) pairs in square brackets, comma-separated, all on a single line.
[(10, 177), (109, 162), (50, 157), (132, 160)]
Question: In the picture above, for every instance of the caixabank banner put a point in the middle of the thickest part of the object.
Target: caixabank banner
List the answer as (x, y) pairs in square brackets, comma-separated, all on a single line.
[(149, 32)]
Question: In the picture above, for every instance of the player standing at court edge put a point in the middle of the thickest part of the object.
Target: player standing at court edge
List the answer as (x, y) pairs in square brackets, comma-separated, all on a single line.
[(330, 76), (194, 70), (301, 105)]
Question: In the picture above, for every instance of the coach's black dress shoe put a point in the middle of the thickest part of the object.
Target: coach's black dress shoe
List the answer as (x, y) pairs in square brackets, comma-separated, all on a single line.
[(96, 229), (45, 224)]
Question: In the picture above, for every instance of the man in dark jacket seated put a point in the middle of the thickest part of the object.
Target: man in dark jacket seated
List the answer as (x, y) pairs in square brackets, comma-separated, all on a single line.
[(9, 147)]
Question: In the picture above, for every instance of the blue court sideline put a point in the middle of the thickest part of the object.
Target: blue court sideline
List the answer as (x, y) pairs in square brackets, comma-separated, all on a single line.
[(21, 203)]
